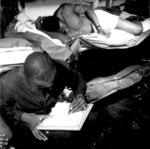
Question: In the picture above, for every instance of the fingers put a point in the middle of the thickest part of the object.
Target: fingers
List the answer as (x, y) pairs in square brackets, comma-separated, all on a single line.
[(3, 137), (3, 140), (39, 135), (78, 105), (108, 34), (104, 33)]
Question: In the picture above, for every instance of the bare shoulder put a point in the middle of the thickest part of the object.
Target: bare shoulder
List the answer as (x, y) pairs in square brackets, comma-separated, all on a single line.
[(64, 7)]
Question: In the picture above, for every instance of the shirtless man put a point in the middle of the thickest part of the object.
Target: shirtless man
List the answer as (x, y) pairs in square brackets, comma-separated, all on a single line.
[(77, 19)]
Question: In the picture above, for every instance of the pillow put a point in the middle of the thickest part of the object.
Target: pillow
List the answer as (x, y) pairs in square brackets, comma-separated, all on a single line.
[(55, 35)]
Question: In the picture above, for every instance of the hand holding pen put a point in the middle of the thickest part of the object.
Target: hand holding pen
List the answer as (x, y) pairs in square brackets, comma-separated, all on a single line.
[(78, 104)]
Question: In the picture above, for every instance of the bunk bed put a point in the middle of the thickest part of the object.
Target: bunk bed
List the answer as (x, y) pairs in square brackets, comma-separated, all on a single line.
[(22, 37), (127, 83)]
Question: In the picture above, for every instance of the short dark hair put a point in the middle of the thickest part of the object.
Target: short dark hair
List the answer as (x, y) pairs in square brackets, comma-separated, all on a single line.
[(50, 23), (39, 65)]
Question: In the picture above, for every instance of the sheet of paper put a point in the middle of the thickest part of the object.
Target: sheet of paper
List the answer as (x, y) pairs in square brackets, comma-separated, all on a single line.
[(60, 114), (61, 119)]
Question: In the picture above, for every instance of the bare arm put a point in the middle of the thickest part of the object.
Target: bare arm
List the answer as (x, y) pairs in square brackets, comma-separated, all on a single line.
[(32, 121), (90, 14)]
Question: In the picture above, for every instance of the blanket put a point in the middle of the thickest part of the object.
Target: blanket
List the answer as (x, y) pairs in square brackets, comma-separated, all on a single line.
[(100, 88)]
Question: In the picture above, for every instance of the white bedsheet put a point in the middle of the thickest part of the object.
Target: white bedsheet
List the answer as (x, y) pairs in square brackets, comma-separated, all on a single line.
[(118, 39), (25, 24)]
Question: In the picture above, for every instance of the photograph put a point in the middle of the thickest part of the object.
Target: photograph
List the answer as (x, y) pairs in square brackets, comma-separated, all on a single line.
[(74, 74)]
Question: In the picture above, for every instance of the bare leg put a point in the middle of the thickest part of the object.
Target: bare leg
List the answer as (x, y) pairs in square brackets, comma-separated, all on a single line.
[(4, 129), (130, 27)]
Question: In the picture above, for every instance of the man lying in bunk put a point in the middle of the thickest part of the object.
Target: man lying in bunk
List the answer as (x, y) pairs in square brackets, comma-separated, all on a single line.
[(78, 19)]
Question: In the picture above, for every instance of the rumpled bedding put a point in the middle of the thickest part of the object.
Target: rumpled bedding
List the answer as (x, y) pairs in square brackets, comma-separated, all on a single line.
[(53, 46), (94, 40), (22, 38)]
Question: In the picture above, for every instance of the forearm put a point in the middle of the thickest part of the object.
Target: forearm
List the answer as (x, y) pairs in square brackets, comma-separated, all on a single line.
[(81, 88), (78, 85), (89, 13), (93, 18)]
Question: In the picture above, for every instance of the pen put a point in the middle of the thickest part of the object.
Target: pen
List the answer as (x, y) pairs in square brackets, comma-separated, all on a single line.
[(70, 110)]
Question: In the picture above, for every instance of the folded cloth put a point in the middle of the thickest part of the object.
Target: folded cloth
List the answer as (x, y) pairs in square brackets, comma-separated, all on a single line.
[(29, 26), (113, 40), (99, 88), (94, 40)]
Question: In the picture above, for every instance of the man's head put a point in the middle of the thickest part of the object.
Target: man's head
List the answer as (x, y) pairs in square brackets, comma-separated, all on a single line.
[(52, 24), (49, 23), (40, 69)]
